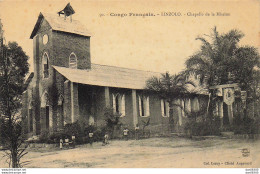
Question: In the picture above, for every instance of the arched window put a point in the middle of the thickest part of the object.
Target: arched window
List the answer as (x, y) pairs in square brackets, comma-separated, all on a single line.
[(73, 60), (45, 108), (165, 108), (119, 104), (144, 109), (44, 99), (60, 112), (45, 64), (30, 117)]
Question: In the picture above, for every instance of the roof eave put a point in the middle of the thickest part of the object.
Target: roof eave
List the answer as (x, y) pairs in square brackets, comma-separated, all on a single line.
[(84, 35), (37, 25), (28, 80)]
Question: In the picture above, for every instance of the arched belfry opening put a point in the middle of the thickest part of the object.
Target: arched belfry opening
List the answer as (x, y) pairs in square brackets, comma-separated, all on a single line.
[(68, 11)]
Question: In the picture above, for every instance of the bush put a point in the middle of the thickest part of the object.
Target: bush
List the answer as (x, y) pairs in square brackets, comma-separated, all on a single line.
[(55, 137), (44, 137), (202, 126), (112, 121), (246, 125), (99, 134), (74, 129), (256, 126)]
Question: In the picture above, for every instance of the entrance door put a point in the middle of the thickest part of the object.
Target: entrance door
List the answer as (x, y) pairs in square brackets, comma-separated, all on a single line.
[(47, 117), (225, 114)]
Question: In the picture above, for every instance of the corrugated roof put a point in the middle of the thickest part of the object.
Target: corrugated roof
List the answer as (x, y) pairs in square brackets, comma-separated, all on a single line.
[(111, 76), (58, 23)]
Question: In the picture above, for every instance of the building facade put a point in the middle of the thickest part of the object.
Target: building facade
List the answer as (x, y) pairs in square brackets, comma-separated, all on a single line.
[(66, 87)]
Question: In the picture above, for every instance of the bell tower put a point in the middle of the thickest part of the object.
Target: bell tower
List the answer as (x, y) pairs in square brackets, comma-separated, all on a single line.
[(57, 41), (67, 12), (60, 41)]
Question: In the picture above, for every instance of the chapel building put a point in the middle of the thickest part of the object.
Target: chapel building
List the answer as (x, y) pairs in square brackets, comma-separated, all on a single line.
[(66, 87)]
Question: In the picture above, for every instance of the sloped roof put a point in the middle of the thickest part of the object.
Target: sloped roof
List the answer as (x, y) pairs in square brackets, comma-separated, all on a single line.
[(58, 23), (111, 76), (28, 80), (68, 10)]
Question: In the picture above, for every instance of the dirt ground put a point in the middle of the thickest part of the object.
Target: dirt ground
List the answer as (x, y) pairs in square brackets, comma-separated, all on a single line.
[(149, 153)]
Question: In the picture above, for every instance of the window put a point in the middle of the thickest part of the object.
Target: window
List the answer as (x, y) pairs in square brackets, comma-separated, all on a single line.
[(119, 104), (30, 117), (31, 120), (144, 110), (183, 108), (165, 108), (45, 39), (45, 108), (61, 111), (73, 61), (47, 117), (45, 63)]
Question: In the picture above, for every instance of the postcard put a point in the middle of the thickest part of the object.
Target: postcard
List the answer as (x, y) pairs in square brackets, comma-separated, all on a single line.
[(130, 84)]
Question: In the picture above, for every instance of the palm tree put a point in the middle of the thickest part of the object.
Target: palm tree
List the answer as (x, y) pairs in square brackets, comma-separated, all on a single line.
[(220, 61), (169, 87)]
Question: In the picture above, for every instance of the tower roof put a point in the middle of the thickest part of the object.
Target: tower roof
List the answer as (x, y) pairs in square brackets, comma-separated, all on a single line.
[(58, 23), (67, 11)]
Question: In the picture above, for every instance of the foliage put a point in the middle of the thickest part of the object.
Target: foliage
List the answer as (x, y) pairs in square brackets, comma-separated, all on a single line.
[(255, 92), (2, 127), (169, 87), (74, 129), (145, 124), (99, 133), (55, 137), (202, 126), (13, 69), (51, 138), (44, 137), (246, 125), (17, 148), (221, 60), (112, 120)]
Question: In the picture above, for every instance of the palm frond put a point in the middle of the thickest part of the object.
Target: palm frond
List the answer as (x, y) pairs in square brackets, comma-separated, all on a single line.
[(154, 84), (194, 60)]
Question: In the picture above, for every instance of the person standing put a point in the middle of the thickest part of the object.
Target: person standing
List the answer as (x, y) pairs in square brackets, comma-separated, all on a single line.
[(61, 143), (90, 136), (73, 138), (125, 133), (105, 140), (137, 132)]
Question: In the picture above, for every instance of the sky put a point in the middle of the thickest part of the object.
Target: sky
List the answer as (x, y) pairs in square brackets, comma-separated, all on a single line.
[(153, 43)]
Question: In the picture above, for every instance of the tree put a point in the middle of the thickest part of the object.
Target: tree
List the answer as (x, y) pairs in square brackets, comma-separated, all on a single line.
[(13, 69), (169, 87), (255, 91), (221, 60), (112, 120)]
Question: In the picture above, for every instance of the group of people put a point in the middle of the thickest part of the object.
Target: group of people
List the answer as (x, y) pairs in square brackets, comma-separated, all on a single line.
[(91, 138), (67, 142), (105, 138)]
